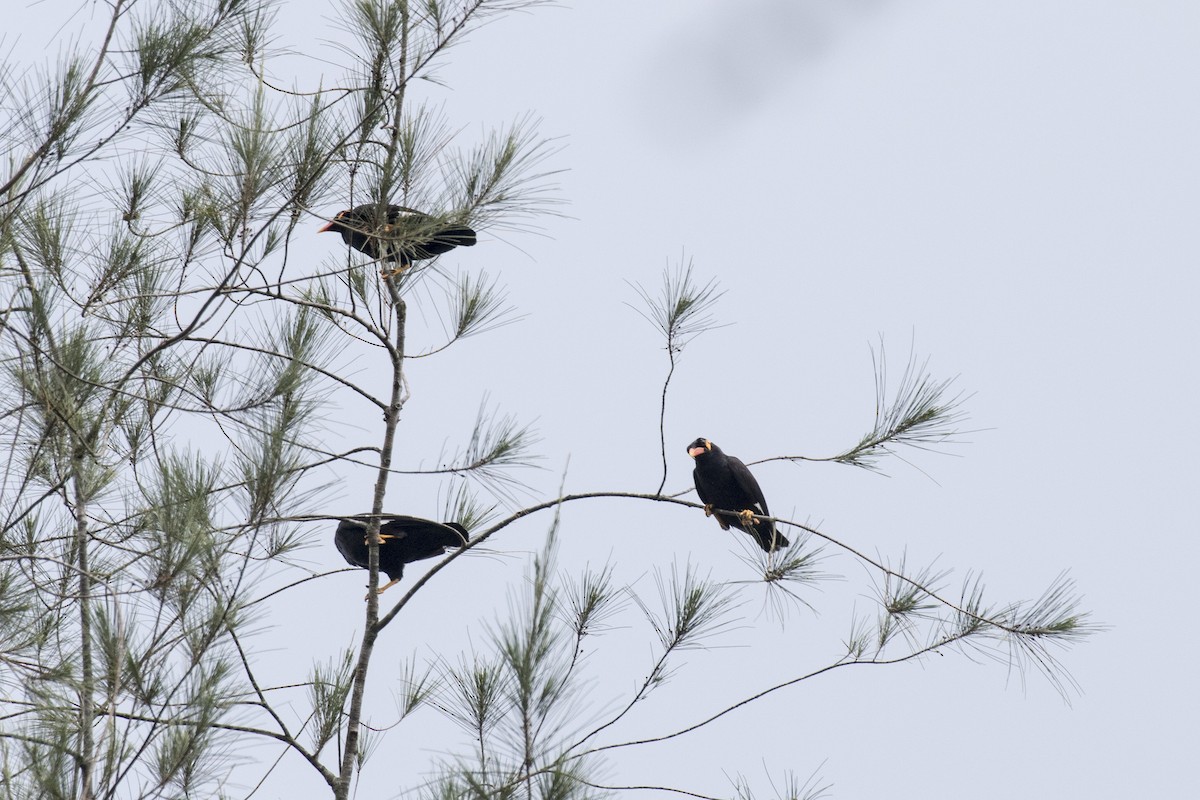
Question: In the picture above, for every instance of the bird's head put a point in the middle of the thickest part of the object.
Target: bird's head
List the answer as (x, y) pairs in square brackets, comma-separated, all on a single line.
[(700, 447), (335, 224)]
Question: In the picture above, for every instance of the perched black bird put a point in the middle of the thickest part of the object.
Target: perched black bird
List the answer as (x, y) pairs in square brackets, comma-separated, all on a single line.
[(405, 540), (402, 235), (724, 482)]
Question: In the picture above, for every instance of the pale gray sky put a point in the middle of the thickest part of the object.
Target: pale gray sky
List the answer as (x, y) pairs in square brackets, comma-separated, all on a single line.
[(1015, 187)]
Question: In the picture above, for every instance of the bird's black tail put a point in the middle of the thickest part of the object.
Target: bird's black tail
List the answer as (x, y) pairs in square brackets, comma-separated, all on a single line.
[(769, 536), (463, 532), (458, 236)]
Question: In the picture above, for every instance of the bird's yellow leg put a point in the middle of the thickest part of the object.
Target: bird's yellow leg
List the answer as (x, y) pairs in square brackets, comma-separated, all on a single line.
[(381, 589), (747, 516), (708, 507), (395, 272)]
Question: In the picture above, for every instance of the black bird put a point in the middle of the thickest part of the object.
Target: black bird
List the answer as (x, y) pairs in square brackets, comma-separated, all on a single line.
[(402, 234), (724, 482), (405, 540)]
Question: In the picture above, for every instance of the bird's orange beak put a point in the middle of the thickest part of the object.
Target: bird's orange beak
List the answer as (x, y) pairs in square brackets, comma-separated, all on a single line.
[(696, 451), (326, 227)]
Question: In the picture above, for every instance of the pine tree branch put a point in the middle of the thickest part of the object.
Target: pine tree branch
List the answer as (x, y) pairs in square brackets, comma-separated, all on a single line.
[(766, 692), (373, 626)]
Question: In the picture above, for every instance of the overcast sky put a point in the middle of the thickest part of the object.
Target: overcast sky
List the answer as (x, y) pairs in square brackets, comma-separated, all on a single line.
[(1013, 187)]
